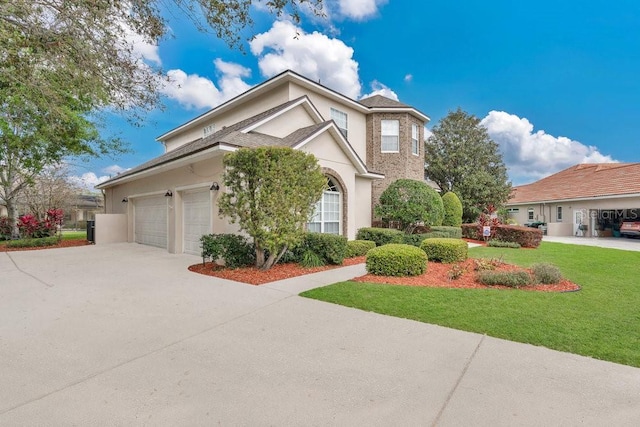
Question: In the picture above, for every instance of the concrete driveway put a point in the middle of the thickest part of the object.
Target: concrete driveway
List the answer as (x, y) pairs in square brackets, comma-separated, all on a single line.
[(124, 335)]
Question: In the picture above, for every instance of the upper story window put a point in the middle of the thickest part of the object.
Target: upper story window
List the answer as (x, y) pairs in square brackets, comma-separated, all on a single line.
[(559, 213), (390, 130), (415, 136), (208, 130), (341, 120)]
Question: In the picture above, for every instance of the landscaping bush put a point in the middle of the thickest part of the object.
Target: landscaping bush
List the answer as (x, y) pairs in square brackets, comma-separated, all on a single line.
[(527, 237), (470, 231), (500, 244), (513, 279), (233, 249), (396, 260), (381, 236), (482, 264), (6, 228), (545, 273), (452, 209), (410, 202), (331, 248), (445, 250), (33, 242), (447, 231), (311, 259), (359, 247)]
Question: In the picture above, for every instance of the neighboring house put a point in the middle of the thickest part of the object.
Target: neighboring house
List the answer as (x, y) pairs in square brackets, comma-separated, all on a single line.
[(83, 208), (362, 146), (583, 200)]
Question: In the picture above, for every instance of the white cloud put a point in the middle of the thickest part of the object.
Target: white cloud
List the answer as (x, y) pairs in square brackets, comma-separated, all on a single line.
[(88, 180), (359, 10), (533, 155), (114, 170), (314, 55), (381, 89), (427, 133), (194, 91), (408, 78)]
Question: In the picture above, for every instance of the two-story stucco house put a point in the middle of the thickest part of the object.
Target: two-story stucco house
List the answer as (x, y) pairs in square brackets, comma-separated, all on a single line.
[(362, 146)]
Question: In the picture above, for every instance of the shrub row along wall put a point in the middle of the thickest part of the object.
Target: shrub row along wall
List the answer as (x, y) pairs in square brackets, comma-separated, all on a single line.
[(526, 237), (384, 236)]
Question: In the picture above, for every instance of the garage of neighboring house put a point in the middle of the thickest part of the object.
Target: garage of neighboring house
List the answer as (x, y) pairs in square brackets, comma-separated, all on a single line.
[(196, 219), (150, 224)]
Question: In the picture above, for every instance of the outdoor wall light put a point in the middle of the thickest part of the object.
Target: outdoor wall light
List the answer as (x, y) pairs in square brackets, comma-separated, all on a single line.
[(215, 186), (125, 200), (168, 194)]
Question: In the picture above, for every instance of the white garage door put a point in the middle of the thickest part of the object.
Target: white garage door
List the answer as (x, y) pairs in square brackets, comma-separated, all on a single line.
[(150, 221), (196, 216)]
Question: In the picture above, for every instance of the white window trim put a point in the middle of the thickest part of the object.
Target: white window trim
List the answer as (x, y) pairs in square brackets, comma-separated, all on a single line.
[(382, 135), (415, 129), (322, 220), (335, 112), (530, 214)]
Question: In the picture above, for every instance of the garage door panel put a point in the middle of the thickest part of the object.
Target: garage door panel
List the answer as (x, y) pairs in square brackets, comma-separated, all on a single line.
[(196, 220), (150, 221)]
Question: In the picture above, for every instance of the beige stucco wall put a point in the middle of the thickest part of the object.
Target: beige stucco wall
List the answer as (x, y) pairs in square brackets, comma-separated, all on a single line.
[(255, 105), (332, 158), (356, 120), (285, 124), (110, 228)]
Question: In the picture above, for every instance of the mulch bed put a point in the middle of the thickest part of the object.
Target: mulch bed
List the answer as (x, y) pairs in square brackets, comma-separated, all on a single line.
[(436, 276), (62, 244)]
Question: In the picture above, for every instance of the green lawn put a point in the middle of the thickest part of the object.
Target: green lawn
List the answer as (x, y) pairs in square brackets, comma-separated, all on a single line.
[(602, 320)]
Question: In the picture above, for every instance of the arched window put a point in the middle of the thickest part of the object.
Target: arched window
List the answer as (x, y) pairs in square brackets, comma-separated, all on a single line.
[(326, 216)]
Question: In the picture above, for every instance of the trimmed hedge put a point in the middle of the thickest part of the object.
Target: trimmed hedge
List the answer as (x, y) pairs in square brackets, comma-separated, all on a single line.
[(330, 248), (359, 247), (396, 260), (526, 237), (233, 249), (33, 242), (451, 232), (381, 236), (445, 250), (500, 244)]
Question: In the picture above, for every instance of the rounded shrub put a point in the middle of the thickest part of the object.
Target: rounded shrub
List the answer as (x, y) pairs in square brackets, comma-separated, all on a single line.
[(545, 273), (381, 236), (359, 247), (445, 250), (410, 202), (513, 279), (452, 209), (396, 260)]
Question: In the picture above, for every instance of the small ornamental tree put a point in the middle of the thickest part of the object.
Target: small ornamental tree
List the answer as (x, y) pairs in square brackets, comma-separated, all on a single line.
[(271, 194), (410, 202), (452, 210)]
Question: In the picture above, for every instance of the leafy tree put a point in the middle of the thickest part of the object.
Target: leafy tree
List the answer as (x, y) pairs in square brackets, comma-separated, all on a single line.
[(410, 202), (452, 209), (461, 157), (64, 61), (271, 194), (51, 189)]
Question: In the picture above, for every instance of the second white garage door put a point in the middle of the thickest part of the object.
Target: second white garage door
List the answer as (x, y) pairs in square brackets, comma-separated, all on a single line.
[(196, 216), (150, 221)]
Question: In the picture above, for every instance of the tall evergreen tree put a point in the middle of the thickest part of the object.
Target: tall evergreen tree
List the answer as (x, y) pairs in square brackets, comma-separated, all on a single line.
[(461, 157)]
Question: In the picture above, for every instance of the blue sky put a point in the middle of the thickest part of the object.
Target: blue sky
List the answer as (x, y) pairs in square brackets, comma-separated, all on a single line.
[(555, 83)]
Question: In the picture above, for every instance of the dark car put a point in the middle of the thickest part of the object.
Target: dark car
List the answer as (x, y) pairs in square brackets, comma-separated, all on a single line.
[(630, 229)]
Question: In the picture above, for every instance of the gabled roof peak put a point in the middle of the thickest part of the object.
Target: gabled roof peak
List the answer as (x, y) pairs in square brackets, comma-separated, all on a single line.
[(380, 101)]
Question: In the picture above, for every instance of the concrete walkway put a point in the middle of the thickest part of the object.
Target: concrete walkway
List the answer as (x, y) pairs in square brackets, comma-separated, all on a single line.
[(124, 335)]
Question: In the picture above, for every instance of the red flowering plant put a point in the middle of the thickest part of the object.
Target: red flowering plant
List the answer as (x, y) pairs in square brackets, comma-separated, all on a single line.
[(6, 228), (30, 227), (488, 218)]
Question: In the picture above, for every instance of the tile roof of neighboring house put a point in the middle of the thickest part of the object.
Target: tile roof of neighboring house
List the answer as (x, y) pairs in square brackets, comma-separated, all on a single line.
[(379, 101), (582, 181)]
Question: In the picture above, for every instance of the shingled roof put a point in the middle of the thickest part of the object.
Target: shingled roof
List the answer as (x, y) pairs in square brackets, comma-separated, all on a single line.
[(582, 181), (379, 101)]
